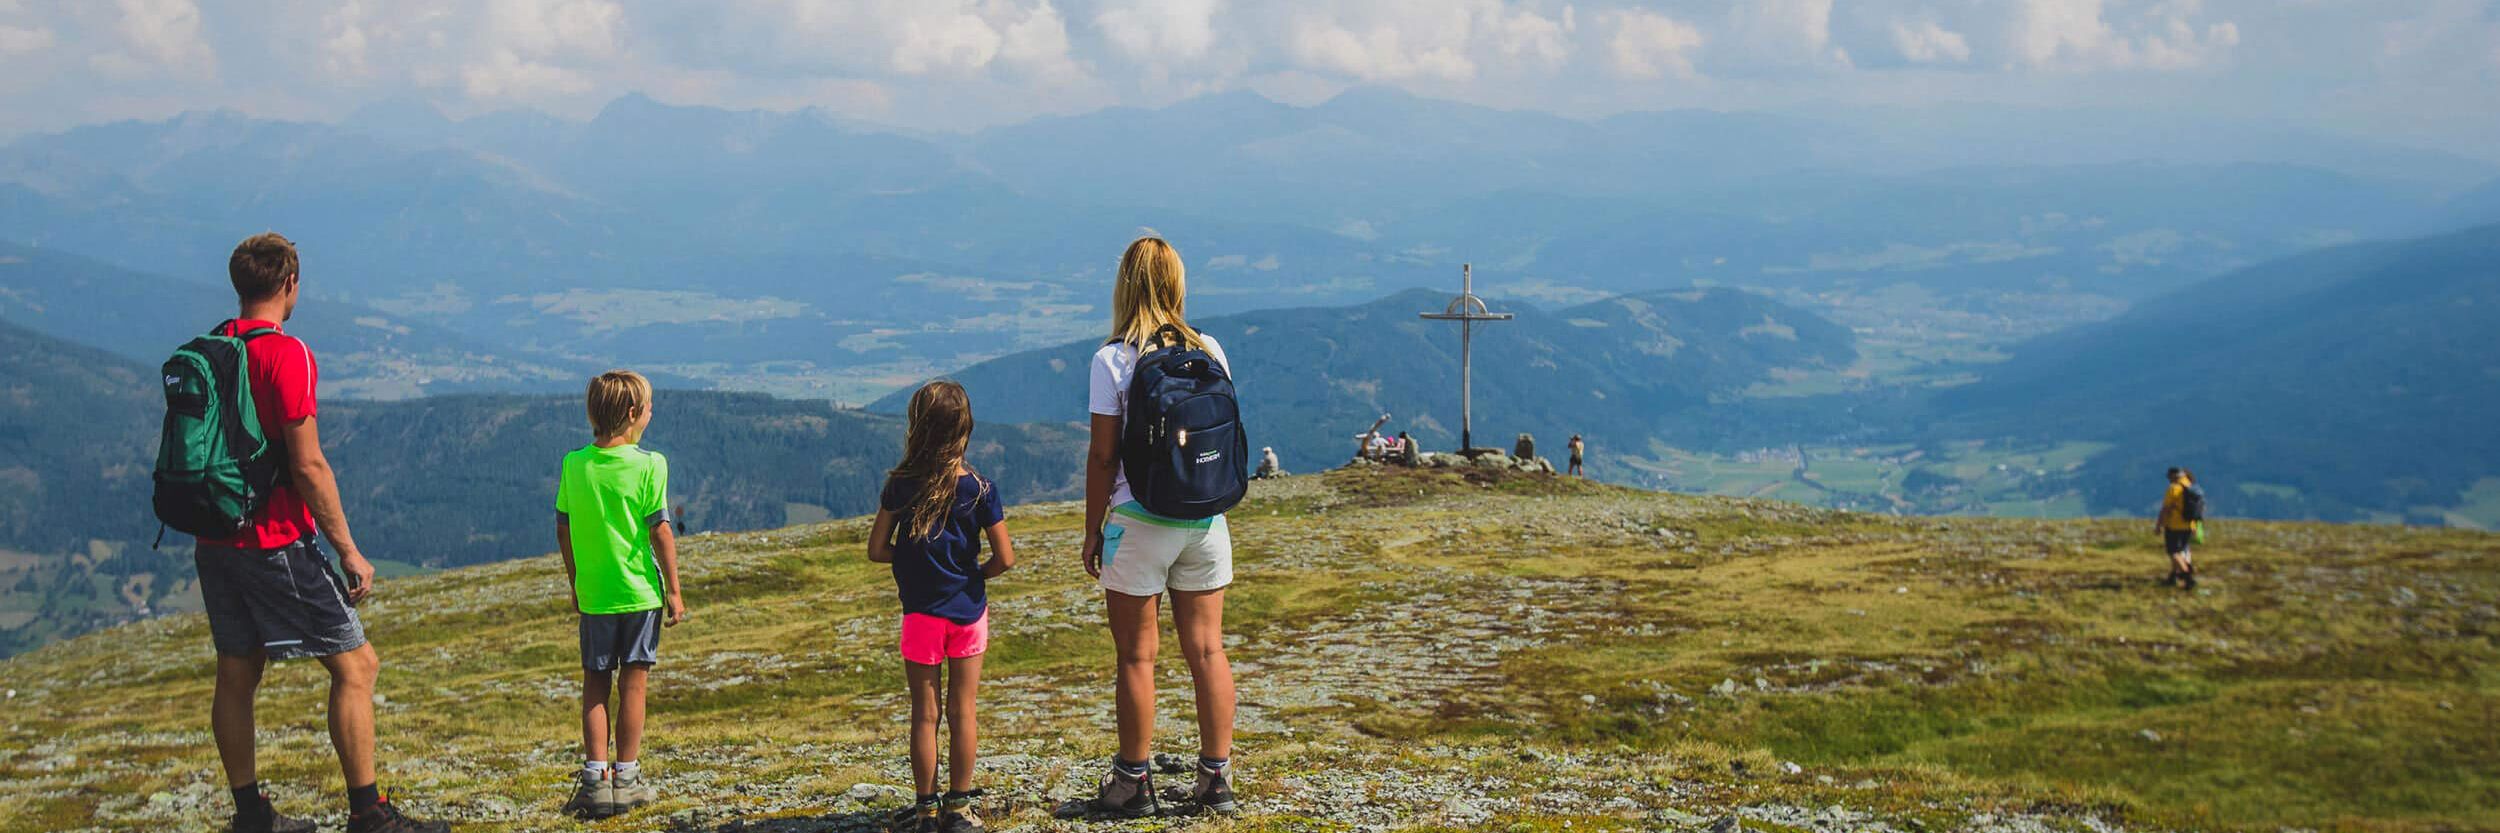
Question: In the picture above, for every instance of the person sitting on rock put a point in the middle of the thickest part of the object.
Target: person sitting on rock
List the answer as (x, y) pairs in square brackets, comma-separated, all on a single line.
[(1268, 466), (1409, 455)]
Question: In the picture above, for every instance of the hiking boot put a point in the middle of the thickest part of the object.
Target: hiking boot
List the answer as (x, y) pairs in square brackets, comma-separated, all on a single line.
[(632, 790), (2187, 580), (385, 818), (913, 818), (955, 813), (594, 796), (1121, 796), (1213, 793)]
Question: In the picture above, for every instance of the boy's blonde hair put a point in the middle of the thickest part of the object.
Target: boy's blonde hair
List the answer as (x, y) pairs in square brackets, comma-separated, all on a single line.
[(615, 398), (1149, 295)]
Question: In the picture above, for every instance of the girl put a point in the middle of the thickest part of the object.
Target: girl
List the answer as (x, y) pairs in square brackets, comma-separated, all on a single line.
[(929, 523), (1138, 557)]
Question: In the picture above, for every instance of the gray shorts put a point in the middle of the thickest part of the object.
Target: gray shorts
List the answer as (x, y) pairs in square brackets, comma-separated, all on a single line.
[(286, 602), (614, 639)]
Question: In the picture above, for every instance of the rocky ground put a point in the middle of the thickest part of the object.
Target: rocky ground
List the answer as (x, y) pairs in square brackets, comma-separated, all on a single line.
[(1439, 649)]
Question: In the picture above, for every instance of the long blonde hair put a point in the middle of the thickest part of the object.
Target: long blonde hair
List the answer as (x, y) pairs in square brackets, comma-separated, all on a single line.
[(938, 430), (1148, 295)]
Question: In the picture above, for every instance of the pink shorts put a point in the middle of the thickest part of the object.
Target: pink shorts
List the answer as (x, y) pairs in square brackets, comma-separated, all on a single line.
[(932, 640)]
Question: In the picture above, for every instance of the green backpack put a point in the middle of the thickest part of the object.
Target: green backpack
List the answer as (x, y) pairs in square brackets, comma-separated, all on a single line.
[(214, 468)]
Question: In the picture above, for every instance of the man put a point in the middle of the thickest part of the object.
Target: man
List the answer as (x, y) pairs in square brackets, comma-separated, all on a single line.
[(270, 592), (2178, 528), (1577, 448)]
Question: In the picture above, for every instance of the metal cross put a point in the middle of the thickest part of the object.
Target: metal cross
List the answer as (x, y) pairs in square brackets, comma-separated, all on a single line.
[(1466, 309)]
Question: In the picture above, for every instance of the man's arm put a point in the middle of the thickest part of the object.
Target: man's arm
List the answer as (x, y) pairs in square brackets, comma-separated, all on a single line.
[(319, 488), (664, 548), (564, 546)]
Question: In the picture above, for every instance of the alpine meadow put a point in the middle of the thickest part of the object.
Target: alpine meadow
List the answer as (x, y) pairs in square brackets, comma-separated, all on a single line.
[(1363, 416)]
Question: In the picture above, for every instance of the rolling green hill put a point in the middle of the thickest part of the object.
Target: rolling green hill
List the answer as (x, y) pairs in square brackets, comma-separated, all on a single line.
[(1419, 651), (1620, 371)]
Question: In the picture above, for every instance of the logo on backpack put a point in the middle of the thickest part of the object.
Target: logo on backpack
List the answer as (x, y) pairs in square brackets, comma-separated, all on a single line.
[(214, 467), (1182, 443)]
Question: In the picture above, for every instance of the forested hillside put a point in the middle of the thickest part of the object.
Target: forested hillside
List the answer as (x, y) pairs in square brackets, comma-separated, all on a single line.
[(1622, 370), (433, 482), (2355, 382)]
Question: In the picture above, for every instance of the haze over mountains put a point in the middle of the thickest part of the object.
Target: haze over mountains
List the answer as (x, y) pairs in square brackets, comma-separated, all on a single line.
[(1979, 310)]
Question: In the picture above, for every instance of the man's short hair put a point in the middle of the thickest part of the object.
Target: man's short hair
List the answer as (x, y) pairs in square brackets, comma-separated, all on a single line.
[(260, 266), (2174, 472), (613, 398)]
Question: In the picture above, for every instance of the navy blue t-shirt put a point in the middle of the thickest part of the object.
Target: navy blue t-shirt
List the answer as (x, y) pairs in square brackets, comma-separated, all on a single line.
[(941, 575)]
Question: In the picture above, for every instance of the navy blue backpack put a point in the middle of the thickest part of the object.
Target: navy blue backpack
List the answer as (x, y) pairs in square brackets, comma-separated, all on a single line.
[(1182, 444)]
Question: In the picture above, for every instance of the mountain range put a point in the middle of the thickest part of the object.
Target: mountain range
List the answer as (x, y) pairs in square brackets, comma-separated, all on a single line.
[(806, 254)]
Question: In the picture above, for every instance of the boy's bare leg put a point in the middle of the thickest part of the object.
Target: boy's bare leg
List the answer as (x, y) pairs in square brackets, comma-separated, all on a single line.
[(1133, 635), (230, 716), (922, 680), (595, 686), (1199, 618), (963, 724), (352, 676), (631, 682)]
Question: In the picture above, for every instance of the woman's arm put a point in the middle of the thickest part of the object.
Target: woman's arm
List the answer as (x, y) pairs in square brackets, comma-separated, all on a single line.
[(881, 538), (1102, 466), (1002, 551)]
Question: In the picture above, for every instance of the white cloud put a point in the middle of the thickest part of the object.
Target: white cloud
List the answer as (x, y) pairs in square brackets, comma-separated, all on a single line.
[(1647, 45), (1159, 31), (1925, 42), (2078, 35), (157, 37), (16, 40), (1393, 40), (1771, 33)]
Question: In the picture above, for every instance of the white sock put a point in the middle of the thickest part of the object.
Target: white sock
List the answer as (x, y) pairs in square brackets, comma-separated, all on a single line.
[(628, 769), (595, 769)]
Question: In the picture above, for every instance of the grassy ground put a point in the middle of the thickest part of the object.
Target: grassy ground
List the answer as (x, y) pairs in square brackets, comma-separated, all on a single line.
[(1425, 651)]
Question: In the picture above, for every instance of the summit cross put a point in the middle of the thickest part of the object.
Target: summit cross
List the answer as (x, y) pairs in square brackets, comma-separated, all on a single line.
[(1466, 309)]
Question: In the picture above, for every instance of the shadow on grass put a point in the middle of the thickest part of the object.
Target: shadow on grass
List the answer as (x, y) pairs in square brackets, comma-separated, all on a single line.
[(857, 821)]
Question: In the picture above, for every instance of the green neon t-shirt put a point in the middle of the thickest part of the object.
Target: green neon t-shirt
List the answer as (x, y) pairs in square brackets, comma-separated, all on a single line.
[(609, 499)]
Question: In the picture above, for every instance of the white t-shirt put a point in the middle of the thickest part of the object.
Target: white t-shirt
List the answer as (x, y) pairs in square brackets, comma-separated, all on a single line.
[(1107, 393)]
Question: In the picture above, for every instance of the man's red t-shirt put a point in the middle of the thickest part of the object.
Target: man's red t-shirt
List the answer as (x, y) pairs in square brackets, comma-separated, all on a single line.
[(283, 377)]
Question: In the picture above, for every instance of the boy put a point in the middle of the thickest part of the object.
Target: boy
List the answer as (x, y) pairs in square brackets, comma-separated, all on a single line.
[(620, 558), (2178, 528), (269, 591)]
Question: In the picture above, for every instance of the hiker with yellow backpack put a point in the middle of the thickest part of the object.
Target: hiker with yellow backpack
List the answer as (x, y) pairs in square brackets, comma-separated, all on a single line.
[(2182, 526)]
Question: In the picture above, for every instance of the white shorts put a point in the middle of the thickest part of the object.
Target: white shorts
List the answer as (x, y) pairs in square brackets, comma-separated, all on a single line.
[(1145, 554)]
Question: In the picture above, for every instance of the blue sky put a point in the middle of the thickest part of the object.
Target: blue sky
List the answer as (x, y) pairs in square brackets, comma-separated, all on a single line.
[(2422, 72)]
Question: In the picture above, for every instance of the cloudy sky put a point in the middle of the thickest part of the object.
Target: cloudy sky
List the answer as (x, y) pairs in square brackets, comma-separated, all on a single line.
[(2424, 72)]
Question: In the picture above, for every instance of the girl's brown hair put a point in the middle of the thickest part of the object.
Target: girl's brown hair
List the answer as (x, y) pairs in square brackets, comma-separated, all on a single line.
[(938, 430)]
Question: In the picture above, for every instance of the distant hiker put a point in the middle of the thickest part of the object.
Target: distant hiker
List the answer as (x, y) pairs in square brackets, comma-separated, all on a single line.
[(1268, 466), (931, 517), (619, 547), (1409, 455), (1138, 555), (2181, 523), (1577, 448), (268, 587), (1368, 445)]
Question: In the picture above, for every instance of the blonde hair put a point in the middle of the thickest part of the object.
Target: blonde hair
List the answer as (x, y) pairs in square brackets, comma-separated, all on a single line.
[(1148, 295), (615, 397), (938, 428)]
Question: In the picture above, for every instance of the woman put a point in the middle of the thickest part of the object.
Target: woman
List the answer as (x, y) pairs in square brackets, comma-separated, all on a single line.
[(1138, 557)]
